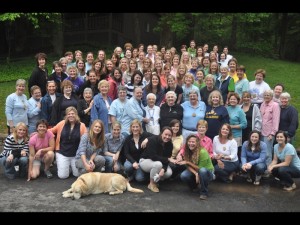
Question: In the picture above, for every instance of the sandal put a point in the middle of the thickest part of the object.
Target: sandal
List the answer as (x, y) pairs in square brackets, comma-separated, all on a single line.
[(153, 188)]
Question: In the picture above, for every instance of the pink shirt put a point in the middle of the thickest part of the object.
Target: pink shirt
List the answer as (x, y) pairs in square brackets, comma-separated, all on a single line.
[(205, 143), (270, 118), (38, 143)]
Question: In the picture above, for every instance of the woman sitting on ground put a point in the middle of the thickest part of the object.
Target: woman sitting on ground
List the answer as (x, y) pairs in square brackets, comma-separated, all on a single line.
[(253, 157), (199, 166), (225, 153), (286, 163), (112, 147), (15, 152), (133, 148), (41, 147), (89, 156), (156, 157)]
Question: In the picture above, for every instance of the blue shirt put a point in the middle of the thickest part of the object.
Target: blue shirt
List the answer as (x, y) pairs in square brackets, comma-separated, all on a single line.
[(253, 157), (192, 115), (288, 150)]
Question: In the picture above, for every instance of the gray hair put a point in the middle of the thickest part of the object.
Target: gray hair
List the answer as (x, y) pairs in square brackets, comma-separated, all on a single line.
[(224, 67), (193, 92), (171, 93), (88, 90), (20, 82), (210, 76), (151, 95), (270, 92), (122, 88), (285, 95)]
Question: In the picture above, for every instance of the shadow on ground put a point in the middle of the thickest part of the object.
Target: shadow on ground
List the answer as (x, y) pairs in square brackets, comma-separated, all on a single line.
[(44, 195)]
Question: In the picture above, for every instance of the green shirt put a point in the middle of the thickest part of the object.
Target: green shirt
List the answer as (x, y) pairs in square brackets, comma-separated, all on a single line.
[(204, 160)]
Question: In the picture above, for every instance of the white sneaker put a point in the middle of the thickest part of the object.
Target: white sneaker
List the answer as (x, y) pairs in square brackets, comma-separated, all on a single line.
[(156, 178)]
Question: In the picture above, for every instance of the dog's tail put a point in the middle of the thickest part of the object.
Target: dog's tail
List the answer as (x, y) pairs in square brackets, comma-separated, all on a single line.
[(131, 189)]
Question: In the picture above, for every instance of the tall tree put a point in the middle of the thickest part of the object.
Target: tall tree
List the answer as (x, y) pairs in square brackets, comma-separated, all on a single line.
[(170, 23), (36, 19)]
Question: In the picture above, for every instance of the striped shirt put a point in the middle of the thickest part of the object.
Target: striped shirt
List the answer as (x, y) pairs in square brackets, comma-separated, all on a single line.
[(14, 147)]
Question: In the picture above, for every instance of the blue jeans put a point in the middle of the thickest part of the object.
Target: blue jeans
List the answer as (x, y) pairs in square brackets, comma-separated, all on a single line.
[(269, 153), (9, 167), (109, 164), (256, 170), (285, 174), (138, 174), (205, 176), (229, 167)]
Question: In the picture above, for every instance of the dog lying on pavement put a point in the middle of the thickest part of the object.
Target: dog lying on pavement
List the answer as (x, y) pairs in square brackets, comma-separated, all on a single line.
[(96, 183)]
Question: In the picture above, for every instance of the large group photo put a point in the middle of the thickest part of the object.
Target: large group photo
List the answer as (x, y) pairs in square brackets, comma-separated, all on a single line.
[(194, 122)]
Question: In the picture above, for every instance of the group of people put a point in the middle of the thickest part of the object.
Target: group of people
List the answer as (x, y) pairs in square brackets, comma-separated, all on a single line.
[(153, 116)]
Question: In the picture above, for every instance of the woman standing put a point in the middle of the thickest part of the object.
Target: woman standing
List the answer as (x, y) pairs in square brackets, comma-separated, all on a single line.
[(101, 105), (115, 80), (34, 108), (270, 112), (288, 117), (76, 81), (216, 114), (152, 113), (253, 116), (67, 99), (258, 87), (48, 100), (199, 166), (84, 106), (193, 111), (154, 87), (16, 107), (15, 152), (89, 155), (253, 157), (172, 86), (39, 75), (68, 133), (286, 163), (237, 118), (41, 147)]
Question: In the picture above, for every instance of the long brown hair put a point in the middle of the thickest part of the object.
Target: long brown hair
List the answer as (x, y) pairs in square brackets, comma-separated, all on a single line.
[(97, 139), (257, 145), (192, 156)]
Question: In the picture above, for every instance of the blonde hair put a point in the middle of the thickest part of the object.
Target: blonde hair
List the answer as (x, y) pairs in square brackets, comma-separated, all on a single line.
[(99, 139), (20, 124), (69, 109), (217, 92), (139, 123)]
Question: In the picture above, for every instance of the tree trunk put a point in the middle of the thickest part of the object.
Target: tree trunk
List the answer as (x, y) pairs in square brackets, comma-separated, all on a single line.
[(137, 28), (166, 37), (233, 32), (57, 36), (282, 34)]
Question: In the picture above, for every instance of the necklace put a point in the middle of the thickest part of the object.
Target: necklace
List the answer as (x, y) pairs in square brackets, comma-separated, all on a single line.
[(213, 109)]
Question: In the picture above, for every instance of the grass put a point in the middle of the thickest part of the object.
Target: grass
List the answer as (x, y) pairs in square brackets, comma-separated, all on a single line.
[(278, 71)]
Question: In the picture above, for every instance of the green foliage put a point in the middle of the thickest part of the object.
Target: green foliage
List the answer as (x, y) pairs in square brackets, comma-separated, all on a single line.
[(34, 18), (176, 22)]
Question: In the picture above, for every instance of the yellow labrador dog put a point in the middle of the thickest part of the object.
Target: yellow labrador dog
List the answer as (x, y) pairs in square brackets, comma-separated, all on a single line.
[(96, 183)]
